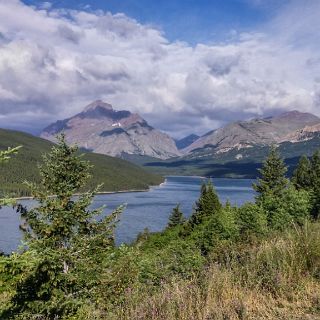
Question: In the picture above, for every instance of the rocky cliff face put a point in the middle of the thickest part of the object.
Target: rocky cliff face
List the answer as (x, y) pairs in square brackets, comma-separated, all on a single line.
[(102, 129), (290, 126), (307, 133)]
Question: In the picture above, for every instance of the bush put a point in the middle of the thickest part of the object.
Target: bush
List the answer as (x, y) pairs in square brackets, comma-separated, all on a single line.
[(252, 220), (293, 208)]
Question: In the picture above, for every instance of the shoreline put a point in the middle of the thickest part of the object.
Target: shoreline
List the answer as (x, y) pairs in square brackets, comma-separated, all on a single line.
[(107, 192)]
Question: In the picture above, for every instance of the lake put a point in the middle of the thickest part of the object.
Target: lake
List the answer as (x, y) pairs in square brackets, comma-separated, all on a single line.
[(149, 209)]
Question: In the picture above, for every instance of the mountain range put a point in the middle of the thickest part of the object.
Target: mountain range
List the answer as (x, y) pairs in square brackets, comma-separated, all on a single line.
[(102, 129), (293, 126)]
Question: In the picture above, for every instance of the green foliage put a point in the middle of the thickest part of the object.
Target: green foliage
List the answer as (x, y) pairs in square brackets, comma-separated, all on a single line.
[(307, 177), (175, 257), (252, 220), (64, 236), (272, 181), (315, 167), (302, 175), (221, 226), (115, 174), (315, 180), (4, 157), (6, 154), (207, 205), (176, 218), (293, 208)]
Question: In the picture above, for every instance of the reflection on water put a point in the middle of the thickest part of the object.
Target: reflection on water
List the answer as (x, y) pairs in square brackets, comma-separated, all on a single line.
[(143, 209)]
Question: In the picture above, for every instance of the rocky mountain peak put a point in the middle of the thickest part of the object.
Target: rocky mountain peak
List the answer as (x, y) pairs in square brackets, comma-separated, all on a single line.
[(296, 115), (98, 104), (102, 129), (102, 110)]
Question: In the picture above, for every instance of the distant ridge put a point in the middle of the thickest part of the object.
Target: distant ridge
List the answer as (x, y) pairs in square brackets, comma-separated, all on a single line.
[(266, 131)]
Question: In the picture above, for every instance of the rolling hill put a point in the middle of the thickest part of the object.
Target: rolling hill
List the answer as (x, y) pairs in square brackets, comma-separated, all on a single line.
[(115, 174)]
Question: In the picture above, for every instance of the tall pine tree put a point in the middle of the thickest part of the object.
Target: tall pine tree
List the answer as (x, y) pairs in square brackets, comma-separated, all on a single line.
[(176, 218), (315, 167), (63, 234), (272, 179), (315, 180), (302, 177), (4, 157), (207, 205)]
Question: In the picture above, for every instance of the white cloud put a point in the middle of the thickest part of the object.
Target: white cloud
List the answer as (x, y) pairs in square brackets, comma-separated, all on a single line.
[(54, 62), (45, 5)]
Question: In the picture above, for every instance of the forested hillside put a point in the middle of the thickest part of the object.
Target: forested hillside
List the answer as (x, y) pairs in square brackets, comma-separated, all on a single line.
[(233, 164), (115, 174)]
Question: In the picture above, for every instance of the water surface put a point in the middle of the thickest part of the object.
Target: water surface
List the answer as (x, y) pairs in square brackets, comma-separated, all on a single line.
[(143, 209)]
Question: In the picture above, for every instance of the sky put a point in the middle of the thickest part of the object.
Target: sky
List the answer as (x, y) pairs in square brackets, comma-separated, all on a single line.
[(187, 66)]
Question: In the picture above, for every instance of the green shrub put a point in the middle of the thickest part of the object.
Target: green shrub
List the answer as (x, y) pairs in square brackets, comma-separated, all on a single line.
[(292, 208), (252, 220)]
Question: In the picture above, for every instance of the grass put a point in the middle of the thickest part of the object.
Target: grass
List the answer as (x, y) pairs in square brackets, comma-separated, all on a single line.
[(273, 278)]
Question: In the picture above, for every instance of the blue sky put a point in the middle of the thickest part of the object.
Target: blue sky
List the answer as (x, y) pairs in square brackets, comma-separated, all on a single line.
[(186, 66), (193, 21)]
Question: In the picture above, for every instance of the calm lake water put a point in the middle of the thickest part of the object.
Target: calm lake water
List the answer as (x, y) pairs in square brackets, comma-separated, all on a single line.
[(149, 209)]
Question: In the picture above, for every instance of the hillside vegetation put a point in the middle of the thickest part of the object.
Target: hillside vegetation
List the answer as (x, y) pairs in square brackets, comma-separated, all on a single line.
[(232, 164), (257, 261), (115, 174)]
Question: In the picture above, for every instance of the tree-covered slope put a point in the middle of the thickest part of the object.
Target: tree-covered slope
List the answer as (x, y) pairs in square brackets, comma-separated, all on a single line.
[(115, 174), (235, 163)]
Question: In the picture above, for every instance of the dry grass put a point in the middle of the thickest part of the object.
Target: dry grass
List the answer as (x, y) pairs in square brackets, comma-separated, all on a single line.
[(277, 279), (224, 298)]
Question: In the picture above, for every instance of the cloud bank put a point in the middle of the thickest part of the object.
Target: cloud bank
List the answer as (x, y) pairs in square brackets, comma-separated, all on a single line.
[(55, 61)]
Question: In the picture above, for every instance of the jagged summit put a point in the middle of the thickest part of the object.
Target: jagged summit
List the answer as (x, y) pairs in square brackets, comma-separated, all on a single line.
[(102, 129), (98, 104)]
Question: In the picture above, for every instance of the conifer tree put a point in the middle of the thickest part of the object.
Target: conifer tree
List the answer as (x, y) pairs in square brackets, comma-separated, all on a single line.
[(62, 232), (4, 157), (301, 177), (315, 180), (273, 180), (207, 205), (315, 168), (176, 218)]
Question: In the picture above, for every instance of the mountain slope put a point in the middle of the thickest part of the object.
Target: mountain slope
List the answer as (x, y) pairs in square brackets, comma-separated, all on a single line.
[(101, 129), (245, 134), (186, 141), (116, 174), (234, 163)]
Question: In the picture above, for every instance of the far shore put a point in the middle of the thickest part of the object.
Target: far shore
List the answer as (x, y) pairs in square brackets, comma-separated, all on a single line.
[(107, 192)]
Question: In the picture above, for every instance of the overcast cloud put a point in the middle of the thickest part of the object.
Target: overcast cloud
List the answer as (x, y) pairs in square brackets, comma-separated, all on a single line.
[(54, 62)]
